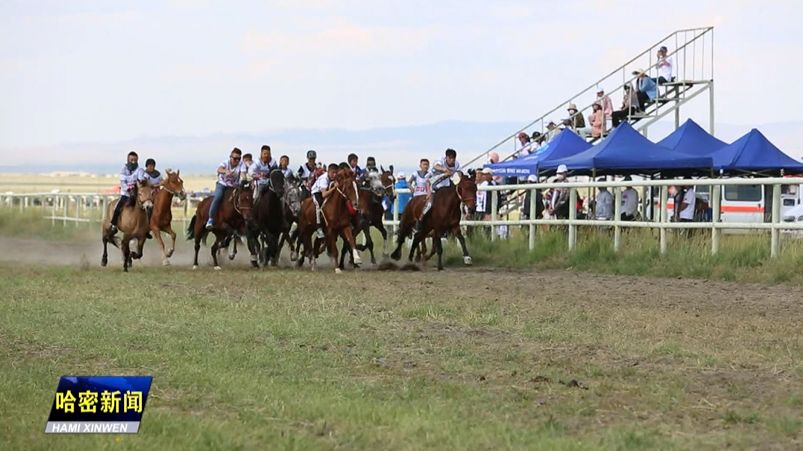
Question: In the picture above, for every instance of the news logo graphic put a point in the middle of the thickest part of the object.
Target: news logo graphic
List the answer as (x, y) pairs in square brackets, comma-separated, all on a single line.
[(98, 405)]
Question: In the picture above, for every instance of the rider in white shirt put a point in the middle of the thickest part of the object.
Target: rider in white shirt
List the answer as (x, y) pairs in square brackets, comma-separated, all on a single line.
[(228, 176), (128, 180), (260, 171), (150, 174), (321, 189), (443, 170), (419, 180)]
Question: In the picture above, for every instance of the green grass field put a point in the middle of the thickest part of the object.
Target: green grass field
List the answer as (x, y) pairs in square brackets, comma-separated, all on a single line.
[(407, 360)]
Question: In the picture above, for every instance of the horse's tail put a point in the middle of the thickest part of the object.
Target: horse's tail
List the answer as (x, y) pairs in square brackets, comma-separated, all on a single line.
[(191, 228)]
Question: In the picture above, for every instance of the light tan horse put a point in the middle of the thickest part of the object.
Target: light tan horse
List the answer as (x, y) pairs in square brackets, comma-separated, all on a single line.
[(133, 223), (162, 215)]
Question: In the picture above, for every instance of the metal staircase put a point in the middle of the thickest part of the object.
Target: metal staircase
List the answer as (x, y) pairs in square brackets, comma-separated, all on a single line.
[(692, 52)]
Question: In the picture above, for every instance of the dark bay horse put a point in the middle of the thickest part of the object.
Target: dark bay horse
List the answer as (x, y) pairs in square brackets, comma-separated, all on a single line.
[(234, 213), (337, 212), (133, 223), (162, 215), (294, 195), (444, 216), (268, 220), (373, 188)]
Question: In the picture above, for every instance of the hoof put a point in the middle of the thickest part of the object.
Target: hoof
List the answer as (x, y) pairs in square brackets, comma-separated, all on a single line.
[(467, 260), (165, 262), (231, 256), (357, 259), (338, 271), (170, 253), (254, 264), (194, 267), (104, 261), (135, 256), (293, 256), (217, 268)]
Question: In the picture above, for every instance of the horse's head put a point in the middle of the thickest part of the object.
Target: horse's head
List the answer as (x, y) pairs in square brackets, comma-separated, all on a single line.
[(174, 184), (292, 195), (388, 183), (347, 185), (466, 189), (277, 182), (244, 201), (144, 195)]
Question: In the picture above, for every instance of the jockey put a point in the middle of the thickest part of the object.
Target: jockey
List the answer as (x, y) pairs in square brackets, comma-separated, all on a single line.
[(150, 174), (284, 166), (353, 159), (260, 170), (248, 160), (228, 176), (307, 170), (128, 180), (419, 180), (370, 165), (320, 191), (443, 170)]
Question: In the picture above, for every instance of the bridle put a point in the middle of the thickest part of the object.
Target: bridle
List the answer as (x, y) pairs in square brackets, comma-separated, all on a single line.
[(356, 192)]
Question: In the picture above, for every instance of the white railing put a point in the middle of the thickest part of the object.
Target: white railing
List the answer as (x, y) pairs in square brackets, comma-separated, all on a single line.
[(94, 207), (661, 222)]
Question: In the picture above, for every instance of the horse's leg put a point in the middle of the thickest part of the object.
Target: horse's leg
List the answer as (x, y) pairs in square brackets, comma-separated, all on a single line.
[(331, 249), (438, 244), (369, 243), (233, 252), (459, 234), (381, 228), (157, 233), (124, 247), (169, 230), (105, 258), (350, 239), (416, 240), (215, 247), (294, 251), (141, 245)]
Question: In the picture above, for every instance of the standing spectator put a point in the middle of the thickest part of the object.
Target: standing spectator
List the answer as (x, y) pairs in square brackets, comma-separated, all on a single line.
[(604, 100), (597, 121), (647, 90), (629, 202), (687, 204), (401, 183), (559, 201), (630, 105), (603, 208), (664, 67), (539, 200)]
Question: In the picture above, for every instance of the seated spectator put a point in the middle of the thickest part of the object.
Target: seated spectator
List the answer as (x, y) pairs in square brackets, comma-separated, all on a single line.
[(603, 208), (575, 120), (605, 101), (629, 202), (647, 90), (538, 139), (597, 121), (525, 145), (552, 131), (630, 105), (664, 67)]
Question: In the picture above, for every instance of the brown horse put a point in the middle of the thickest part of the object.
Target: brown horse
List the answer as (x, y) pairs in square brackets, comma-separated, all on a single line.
[(234, 213), (337, 212), (444, 216), (162, 214), (133, 223), (373, 188)]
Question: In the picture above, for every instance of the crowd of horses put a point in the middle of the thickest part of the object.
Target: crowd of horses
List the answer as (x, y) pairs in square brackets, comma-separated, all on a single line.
[(267, 223)]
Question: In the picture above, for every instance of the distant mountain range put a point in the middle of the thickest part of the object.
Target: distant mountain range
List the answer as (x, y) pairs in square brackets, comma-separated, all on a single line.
[(401, 146)]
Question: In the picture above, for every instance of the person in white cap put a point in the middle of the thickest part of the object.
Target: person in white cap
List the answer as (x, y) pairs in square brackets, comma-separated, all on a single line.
[(559, 204)]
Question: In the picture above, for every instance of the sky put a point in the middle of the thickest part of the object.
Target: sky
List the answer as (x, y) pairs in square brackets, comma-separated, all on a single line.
[(106, 71)]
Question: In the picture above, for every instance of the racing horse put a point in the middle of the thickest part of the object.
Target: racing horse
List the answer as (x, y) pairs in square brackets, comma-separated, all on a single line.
[(373, 188), (268, 220), (337, 211), (444, 216), (294, 195), (162, 214), (133, 223), (233, 215)]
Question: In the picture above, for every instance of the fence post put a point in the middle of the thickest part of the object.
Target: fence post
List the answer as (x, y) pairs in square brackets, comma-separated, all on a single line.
[(663, 215), (53, 211), (494, 217), (532, 218), (617, 216), (776, 219), (78, 201), (64, 215), (716, 193), (572, 218)]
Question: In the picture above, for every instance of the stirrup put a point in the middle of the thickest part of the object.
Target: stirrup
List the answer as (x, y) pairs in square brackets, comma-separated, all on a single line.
[(112, 229), (209, 225)]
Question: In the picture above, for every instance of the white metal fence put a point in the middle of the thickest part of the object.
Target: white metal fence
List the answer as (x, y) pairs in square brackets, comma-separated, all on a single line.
[(67, 208)]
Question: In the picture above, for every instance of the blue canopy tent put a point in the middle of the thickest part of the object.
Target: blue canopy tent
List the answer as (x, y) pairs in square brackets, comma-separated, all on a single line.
[(626, 151), (565, 144), (753, 152), (691, 139)]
